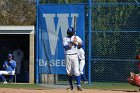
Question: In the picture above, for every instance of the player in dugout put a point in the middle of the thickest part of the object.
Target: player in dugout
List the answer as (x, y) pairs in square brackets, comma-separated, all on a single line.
[(9, 69)]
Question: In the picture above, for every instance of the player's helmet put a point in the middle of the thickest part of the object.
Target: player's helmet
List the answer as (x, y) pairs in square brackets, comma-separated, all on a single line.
[(9, 55), (70, 31)]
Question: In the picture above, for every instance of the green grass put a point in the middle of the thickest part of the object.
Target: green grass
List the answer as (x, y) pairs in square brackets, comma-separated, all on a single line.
[(24, 86), (95, 85), (106, 85)]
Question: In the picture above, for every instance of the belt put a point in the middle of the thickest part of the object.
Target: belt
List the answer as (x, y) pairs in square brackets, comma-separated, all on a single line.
[(72, 54), (81, 59)]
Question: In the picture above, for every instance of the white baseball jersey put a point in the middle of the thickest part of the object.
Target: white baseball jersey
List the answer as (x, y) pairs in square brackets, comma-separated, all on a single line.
[(81, 56), (67, 41), (72, 63)]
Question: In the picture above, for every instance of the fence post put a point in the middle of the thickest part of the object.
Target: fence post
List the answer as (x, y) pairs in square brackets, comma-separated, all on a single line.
[(37, 41), (89, 38)]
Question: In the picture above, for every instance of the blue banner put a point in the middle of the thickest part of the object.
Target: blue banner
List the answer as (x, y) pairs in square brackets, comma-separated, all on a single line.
[(53, 23)]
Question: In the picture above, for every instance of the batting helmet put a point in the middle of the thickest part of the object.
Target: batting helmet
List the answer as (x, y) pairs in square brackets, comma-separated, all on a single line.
[(70, 31), (9, 55)]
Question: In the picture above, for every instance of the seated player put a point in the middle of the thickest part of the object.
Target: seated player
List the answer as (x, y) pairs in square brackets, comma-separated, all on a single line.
[(9, 69)]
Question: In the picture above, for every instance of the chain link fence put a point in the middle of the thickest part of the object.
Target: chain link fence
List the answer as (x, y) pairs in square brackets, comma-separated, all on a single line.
[(115, 39), (113, 55)]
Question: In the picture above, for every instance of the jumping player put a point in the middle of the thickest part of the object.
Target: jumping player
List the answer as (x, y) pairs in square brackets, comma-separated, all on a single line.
[(81, 56), (70, 44)]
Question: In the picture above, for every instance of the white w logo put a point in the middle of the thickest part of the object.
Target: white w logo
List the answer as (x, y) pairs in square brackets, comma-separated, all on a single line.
[(56, 23)]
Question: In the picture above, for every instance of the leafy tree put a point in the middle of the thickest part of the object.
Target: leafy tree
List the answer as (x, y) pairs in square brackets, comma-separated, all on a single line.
[(17, 12), (112, 18)]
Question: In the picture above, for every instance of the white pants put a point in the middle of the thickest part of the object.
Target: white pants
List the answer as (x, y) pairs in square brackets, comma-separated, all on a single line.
[(72, 65), (82, 64), (7, 72)]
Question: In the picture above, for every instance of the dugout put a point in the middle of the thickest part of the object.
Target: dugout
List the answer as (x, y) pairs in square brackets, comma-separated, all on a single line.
[(23, 36)]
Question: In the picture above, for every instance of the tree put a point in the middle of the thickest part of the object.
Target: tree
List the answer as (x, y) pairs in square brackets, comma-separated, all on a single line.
[(17, 12)]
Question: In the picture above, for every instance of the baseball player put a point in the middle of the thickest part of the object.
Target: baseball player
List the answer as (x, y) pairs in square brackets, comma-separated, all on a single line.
[(9, 68), (134, 79), (70, 44), (81, 56), (18, 57)]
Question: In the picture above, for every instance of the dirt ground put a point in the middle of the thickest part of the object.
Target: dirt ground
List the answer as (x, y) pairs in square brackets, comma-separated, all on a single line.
[(12, 90)]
